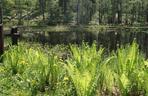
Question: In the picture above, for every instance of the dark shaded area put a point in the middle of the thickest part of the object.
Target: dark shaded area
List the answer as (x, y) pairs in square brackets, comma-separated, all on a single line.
[(14, 36), (110, 39), (1, 43)]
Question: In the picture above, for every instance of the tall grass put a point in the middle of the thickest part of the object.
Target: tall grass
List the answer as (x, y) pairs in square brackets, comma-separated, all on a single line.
[(83, 68), (33, 71), (128, 68)]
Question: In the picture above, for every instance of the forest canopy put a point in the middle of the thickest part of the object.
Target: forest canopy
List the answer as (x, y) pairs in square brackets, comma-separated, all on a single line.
[(52, 12)]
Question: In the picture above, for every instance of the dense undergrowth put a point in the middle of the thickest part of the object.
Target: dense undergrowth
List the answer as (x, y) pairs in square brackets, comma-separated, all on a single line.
[(73, 71)]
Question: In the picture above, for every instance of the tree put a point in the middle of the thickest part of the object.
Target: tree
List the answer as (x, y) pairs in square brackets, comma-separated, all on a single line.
[(1, 12), (42, 8), (80, 11)]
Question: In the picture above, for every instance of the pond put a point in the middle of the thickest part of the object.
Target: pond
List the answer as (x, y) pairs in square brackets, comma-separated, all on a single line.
[(110, 38)]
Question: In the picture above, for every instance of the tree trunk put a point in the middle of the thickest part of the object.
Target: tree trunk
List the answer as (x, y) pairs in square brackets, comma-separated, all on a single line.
[(20, 12), (42, 4), (1, 43), (65, 10), (1, 12), (119, 11), (78, 11), (1, 33), (147, 15), (114, 12)]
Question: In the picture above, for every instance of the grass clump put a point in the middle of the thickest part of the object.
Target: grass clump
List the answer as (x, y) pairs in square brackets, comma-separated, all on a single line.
[(83, 68), (86, 71)]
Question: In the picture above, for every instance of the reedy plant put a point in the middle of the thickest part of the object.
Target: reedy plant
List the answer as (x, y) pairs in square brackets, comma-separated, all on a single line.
[(26, 65), (83, 68), (127, 67), (32, 71), (33, 67)]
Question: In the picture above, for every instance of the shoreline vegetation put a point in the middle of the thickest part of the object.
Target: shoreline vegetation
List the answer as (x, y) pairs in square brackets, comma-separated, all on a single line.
[(77, 28), (73, 71)]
